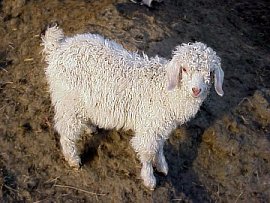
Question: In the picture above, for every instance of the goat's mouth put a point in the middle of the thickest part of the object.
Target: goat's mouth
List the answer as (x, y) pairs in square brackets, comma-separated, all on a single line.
[(195, 95)]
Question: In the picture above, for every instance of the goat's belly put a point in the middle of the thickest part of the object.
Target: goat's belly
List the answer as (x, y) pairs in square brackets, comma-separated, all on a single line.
[(107, 117)]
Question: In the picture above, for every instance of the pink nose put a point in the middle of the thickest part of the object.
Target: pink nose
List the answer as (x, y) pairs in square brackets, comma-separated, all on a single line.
[(196, 91)]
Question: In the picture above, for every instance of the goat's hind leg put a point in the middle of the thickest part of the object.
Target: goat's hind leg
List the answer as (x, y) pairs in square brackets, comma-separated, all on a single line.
[(69, 129)]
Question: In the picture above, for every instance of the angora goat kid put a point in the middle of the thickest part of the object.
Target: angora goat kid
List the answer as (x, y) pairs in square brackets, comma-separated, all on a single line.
[(95, 80)]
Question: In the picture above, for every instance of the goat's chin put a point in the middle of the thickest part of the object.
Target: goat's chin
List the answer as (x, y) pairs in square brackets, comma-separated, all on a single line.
[(196, 96)]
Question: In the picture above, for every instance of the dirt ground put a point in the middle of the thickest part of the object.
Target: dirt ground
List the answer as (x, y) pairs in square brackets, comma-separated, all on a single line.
[(223, 155)]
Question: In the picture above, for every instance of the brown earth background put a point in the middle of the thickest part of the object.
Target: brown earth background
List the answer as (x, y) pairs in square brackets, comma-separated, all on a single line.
[(222, 155)]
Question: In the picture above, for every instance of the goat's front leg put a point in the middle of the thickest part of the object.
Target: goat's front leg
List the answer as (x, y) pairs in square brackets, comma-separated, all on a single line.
[(146, 146), (160, 161)]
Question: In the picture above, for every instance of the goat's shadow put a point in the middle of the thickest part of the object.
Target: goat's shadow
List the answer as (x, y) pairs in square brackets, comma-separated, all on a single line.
[(180, 154), (91, 144)]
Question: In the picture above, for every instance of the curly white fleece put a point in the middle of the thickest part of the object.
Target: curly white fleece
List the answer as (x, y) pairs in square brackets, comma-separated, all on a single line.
[(95, 80)]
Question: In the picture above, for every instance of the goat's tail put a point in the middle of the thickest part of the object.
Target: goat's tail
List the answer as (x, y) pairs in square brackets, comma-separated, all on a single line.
[(51, 40)]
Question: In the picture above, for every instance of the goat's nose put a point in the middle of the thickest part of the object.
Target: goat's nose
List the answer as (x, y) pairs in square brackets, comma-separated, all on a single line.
[(196, 91)]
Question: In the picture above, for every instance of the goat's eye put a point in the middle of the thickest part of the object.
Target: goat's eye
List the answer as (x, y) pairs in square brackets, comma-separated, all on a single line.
[(184, 70)]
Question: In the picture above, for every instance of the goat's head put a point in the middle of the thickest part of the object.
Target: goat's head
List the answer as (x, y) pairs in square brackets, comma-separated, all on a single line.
[(191, 68)]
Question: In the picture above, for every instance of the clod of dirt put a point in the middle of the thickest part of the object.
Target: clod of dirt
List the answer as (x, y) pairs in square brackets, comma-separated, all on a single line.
[(234, 155)]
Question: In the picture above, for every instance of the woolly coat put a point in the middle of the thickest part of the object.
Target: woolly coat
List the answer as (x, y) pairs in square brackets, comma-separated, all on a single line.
[(95, 79)]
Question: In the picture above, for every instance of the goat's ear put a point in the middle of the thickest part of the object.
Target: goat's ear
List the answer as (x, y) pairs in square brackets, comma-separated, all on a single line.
[(219, 77), (173, 74)]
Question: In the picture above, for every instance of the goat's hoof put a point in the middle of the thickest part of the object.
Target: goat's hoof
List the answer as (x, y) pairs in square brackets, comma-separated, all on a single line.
[(150, 183), (162, 169), (75, 163), (150, 186)]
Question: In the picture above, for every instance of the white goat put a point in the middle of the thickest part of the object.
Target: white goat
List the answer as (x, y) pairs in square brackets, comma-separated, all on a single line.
[(95, 80)]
